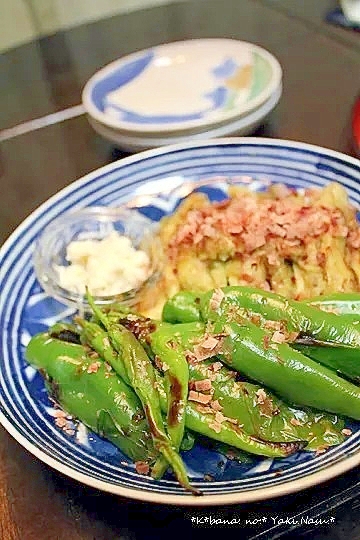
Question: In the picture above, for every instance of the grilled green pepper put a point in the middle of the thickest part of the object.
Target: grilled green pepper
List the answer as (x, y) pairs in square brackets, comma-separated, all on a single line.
[(168, 351), (261, 414), (201, 424), (176, 376), (90, 392), (234, 435), (95, 337), (339, 303), (295, 377), (183, 307), (266, 416), (296, 316), (341, 358), (140, 373), (345, 304), (175, 370), (327, 338), (330, 339)]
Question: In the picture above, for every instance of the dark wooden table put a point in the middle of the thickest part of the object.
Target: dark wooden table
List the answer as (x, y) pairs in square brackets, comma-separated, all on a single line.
[(321, 66)]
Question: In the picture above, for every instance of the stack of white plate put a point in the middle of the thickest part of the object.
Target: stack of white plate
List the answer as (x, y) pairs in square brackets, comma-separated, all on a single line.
[(198, 89)]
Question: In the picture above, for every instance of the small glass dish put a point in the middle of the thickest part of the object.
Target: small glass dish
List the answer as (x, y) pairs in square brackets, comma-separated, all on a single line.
[(94, 223)]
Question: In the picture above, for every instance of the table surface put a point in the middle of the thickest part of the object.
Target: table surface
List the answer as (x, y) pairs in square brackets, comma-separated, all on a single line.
[(321, 66)]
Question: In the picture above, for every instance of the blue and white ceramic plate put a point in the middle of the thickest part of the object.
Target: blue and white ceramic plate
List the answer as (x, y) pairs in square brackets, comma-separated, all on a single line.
[(242, 126), (154, 182), (182, 86)]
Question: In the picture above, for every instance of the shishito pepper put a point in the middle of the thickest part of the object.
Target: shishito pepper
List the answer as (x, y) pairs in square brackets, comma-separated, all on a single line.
[(341, 358), (176, 378), (329, 338), (295, 377), (347, 305), (261, 414), (339, 303), (194, 420), (141, 376), (291, 374), (271, 421), (97, 397), (166, 345), (175, 371), (93, 335), (183, 307), (296, 316), (235, 436), (304, 317), (239, 400), (266, 416)]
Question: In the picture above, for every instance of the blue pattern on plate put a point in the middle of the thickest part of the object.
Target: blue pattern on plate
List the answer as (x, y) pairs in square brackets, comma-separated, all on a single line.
[(133, 117), (218, 97), (25, 309), (127, 72), (226, 69), (124, 74)]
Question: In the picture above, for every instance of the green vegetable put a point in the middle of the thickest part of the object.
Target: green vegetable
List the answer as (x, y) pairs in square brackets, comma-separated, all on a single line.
[(347, 305), (173, 339), (273, 420), (339, 303), (292, 375), (296, 316), (95, 337), (233, 435), (268, 417), (238, 413), (328, 338), (144, 329), (176, 376), (99, 399), (183, 307), (341, 358), (175, 370), (140, 373)]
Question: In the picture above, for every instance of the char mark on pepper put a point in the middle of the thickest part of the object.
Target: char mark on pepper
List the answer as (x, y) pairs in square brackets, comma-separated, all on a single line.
[(289, 448), (141, 327), (176, 404), (67, 335)]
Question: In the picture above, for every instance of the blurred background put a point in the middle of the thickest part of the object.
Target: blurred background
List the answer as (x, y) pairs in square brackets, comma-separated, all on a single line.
[(25, 20)]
